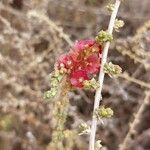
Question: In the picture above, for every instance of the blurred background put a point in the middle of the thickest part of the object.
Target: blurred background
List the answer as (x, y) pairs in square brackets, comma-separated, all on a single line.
[(33, 33)]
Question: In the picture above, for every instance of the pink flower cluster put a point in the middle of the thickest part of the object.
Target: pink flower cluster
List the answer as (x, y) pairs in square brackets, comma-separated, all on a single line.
[(81, 63)]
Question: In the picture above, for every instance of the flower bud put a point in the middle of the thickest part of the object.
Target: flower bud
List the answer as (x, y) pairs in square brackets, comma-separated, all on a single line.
[(103, 36), (110, 7), (118, 24), (112, 70), (97, 145), (103, 112), (83, 129), (91, 84)]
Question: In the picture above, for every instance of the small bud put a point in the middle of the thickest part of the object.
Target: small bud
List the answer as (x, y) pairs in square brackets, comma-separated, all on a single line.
[(118, 24), (91, 84), (97, 145), (81, 79), (103, 36), (62, 65), (51, 93), (63, 70), (47, 95), (58, 75), (95, 49), (110, 7), (112, 70), (55, 80), (103, 112), (83, 129)]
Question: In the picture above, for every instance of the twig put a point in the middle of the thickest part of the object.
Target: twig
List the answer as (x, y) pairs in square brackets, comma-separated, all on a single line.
[(52, 24), (134, 75), (136, 121), (131, 79), (98, 96), (12, 11), (133, 56)]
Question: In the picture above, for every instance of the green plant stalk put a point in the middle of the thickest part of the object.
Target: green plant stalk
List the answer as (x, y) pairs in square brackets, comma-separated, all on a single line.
[(61, 108), (61, 104)]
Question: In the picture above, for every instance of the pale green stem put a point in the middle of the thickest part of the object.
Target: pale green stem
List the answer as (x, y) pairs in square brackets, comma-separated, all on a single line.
[(98, 96)]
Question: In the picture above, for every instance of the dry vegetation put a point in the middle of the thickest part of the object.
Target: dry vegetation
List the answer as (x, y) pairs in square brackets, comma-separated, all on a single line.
[(33, 33)]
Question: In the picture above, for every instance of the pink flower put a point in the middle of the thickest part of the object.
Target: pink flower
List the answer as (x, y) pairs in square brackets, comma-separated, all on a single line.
[(83, 44), (83, 61), (93, 64), (65, 61), (77, 78)]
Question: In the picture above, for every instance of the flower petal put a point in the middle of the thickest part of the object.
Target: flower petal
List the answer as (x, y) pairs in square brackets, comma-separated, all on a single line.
[(77, 78)]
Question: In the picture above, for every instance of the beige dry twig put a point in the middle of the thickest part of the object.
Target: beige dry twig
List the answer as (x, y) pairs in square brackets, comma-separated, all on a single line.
[(136, 121)]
